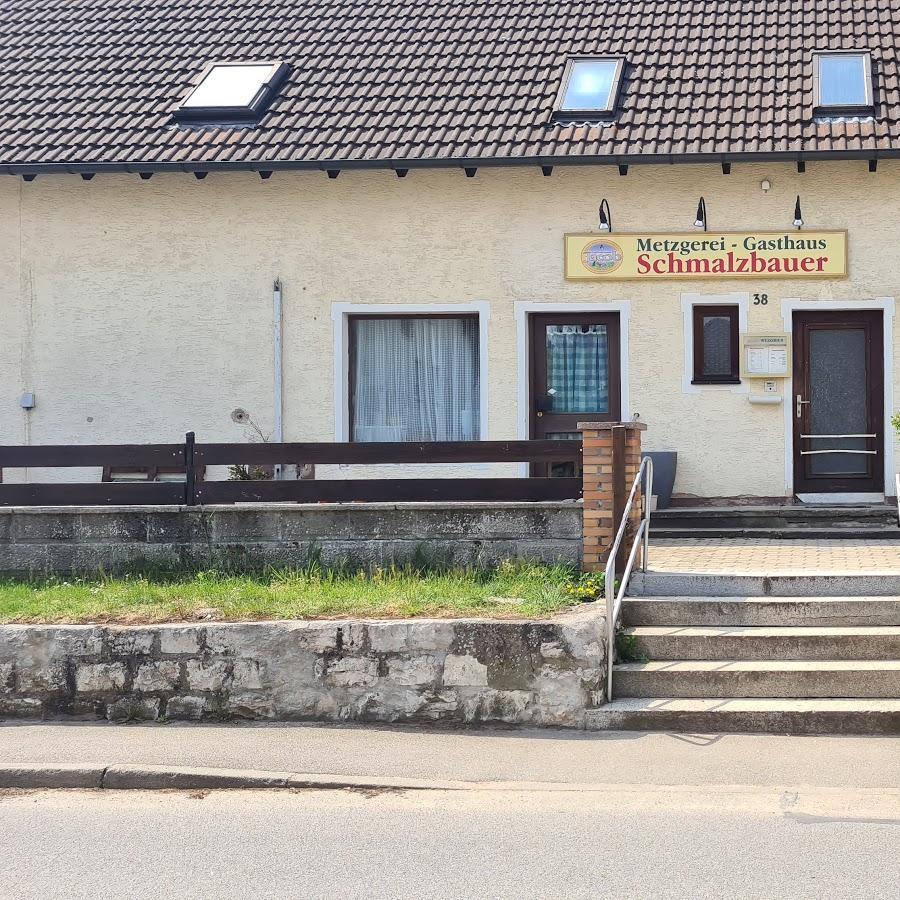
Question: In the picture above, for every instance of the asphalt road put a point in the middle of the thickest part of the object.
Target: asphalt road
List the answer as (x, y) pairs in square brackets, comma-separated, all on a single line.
[(621, 841), (540, 813)]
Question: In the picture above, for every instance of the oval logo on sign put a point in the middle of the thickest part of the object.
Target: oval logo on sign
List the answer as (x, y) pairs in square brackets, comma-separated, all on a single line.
[(602, 256)]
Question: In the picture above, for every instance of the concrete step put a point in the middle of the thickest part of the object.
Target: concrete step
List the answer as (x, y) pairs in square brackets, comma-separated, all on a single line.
[(707, 715), (690, 584), (673, 642), (845, 532), (775, 516), (775, 611), (758, 678)]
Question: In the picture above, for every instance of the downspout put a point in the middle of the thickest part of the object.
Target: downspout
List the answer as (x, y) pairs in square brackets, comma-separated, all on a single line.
[(26, 346), (278, 432)]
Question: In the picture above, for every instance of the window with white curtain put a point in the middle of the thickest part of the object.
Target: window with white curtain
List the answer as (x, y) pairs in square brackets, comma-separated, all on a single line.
[(414, 378)]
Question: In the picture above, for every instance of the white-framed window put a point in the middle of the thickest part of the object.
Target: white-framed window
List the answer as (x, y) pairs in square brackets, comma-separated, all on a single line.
[(232, 90), (843, 81), (411, 373), (713, 324), (590, 86)]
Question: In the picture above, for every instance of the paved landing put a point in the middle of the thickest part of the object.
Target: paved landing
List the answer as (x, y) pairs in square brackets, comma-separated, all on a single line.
[(757, 556)]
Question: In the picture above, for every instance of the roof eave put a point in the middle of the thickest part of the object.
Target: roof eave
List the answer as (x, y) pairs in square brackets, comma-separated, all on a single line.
[(134, 167)]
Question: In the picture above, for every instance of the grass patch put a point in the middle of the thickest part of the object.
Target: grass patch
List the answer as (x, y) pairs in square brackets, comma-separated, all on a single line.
[(509, 591)]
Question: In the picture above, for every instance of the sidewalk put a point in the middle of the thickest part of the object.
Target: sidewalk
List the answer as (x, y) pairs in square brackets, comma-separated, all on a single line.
[(758, 556), (350, 754)]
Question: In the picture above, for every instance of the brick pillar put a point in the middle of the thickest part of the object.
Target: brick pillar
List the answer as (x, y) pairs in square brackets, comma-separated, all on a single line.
[(611, 459)]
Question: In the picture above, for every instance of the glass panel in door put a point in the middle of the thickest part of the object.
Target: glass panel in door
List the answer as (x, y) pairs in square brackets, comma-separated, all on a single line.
[(837, 403), (577, 368)]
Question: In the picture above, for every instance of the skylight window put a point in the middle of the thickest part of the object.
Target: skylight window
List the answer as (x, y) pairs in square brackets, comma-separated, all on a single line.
[(229, 91), (590, 87), (843, 81)]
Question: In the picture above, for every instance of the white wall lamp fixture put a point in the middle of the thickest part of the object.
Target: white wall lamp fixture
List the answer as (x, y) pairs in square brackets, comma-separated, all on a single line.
[(700, 221), (798, 214), (605, 216)]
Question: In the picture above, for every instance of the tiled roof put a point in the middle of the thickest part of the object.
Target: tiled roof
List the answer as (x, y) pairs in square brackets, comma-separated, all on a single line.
[(93, 83)]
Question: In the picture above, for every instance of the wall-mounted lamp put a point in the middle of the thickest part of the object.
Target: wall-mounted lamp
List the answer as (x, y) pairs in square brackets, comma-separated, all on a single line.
[(798, 215), (605, 216), (700, 221)]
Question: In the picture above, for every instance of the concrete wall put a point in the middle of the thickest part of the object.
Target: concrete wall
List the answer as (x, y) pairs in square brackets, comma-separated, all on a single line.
[(114, 539), (466, 671), (138, 310)]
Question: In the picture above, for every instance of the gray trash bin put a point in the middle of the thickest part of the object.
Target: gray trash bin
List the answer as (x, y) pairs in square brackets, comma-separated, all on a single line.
[(665, 462)]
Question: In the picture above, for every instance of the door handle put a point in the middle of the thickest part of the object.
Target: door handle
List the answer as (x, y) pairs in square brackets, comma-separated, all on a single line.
[(800, 403)]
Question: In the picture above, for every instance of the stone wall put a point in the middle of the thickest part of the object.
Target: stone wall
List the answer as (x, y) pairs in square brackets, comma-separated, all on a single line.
[(453, 671), (86, 539)]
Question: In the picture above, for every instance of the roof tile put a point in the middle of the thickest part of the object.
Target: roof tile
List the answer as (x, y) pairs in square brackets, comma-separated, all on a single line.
[(87, 81)]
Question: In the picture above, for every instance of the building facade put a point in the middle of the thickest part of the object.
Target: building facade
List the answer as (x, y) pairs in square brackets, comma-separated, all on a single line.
[(137, 296)]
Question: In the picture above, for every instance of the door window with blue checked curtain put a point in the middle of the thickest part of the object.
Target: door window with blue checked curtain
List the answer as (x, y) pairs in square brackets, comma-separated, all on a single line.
[(578, 368)]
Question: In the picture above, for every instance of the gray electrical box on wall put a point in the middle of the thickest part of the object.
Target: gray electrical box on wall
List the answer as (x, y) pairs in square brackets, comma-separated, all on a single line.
[(26, 401)]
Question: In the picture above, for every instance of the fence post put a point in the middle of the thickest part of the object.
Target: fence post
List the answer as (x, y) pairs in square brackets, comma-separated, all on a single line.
[(619, 489), (611, 455), (190, 480)]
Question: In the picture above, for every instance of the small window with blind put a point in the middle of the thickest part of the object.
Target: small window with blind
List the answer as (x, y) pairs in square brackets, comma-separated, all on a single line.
[(590, 87), (716, 345), (414, 378), (843, 82)]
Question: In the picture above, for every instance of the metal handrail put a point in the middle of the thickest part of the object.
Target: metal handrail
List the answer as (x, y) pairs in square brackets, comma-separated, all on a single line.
[(897, 487), (641, 539)]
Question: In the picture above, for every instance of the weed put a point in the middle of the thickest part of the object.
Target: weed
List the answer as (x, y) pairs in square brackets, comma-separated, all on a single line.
[(626, 648), (588, 586)]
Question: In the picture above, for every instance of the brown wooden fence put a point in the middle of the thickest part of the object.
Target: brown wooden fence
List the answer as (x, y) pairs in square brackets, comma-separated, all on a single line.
[(194, 458)]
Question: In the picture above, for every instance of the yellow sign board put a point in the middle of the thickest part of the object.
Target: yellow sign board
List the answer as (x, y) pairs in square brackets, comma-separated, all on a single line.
[(754, 254)]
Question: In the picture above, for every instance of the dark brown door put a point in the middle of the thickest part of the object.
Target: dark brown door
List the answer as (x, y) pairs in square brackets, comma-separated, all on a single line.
[(838, 402), (575, 376)]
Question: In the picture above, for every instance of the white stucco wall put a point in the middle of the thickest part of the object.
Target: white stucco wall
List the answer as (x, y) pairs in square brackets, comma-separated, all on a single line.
[(137, 310)]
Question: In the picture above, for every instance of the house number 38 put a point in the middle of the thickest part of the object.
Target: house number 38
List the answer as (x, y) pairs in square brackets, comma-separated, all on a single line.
[(760, 299)]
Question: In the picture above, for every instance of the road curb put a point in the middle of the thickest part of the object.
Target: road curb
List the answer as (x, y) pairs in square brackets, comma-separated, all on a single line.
[(155, 778), (55, 775), (376, 783)]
